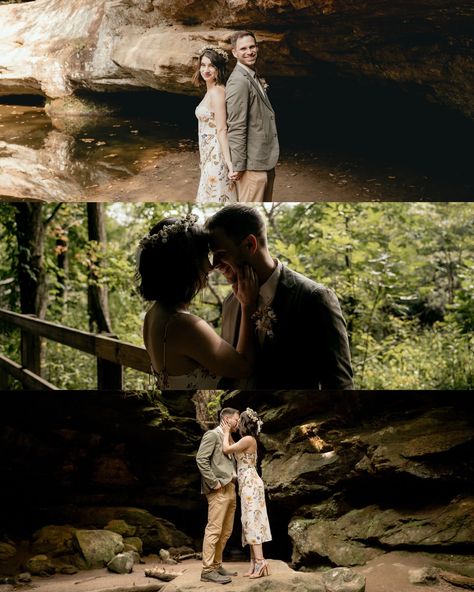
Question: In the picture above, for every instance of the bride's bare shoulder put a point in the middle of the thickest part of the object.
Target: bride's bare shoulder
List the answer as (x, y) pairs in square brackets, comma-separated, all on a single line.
[(188, 319)]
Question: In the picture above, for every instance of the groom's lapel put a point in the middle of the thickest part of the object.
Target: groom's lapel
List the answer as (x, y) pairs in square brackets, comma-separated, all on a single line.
[(282, 305), (256, 86)]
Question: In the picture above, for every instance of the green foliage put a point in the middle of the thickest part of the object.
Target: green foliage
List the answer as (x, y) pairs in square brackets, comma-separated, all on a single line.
[(214, 405), (404, 273)]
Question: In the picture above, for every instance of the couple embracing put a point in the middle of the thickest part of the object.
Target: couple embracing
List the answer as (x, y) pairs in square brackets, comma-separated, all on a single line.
[(238, 142), (280, 329), (223, 462)]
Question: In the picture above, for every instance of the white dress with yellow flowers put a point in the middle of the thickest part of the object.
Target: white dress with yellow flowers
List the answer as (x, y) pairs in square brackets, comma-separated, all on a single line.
[(214, 184), (255, 525)]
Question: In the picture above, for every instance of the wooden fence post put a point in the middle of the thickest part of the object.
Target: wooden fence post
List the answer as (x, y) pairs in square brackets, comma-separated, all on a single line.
[(31, 352), (4, 380), (109, 374)]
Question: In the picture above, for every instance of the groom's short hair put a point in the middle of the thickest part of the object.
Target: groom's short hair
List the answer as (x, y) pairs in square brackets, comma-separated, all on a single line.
[(238, 220), (238, 35), (227, 411)]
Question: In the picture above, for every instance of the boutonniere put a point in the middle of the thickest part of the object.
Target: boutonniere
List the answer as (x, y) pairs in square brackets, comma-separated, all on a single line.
[(264, 319), (264, 84)]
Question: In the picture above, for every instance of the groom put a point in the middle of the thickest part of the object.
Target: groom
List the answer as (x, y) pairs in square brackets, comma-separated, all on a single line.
[(300, 327), (251, 128), (218, 478)]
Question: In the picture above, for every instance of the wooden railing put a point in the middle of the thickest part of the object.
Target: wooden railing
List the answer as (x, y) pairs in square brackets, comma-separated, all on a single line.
[(112, 355)]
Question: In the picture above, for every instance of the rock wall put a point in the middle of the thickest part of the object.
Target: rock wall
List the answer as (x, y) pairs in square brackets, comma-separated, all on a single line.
[(63, 456), (61, 47)]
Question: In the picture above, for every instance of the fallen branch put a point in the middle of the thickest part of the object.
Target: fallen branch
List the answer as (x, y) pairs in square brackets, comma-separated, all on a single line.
[(457, 580), (189, 556), (162, 574)]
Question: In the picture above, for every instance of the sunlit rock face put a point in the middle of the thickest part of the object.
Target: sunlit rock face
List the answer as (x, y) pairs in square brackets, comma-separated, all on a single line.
[(59, 47)]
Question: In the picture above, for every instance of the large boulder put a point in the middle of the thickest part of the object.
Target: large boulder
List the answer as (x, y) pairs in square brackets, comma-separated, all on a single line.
[(54, 540), (40, 565), (361, 534), (7, 551), (343, 580), (98, 546), (155, 533), (121, 528), (122, 563), (282, 579)]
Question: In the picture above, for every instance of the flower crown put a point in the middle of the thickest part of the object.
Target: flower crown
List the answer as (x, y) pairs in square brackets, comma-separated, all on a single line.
[(254, 418), (222, 52), (182, 224)]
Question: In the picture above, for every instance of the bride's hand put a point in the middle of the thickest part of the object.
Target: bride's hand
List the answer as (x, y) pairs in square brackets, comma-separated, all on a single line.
[(232, 175), (246, 288)]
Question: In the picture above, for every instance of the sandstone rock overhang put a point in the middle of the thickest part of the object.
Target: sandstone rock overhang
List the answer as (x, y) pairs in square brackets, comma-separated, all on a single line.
[(57, 48)]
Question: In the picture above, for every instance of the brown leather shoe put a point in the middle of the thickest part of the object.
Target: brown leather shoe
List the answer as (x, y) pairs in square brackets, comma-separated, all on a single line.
[(215, 578), (224, 572)]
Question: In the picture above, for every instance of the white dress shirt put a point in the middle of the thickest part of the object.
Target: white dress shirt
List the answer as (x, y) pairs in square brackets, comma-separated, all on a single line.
[(253, 74)]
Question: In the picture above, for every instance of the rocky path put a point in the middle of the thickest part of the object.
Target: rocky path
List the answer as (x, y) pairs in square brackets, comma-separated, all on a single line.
[(388, 573)]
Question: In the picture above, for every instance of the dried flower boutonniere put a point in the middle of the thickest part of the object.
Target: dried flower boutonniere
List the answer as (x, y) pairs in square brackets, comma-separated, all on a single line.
[(264, 319)]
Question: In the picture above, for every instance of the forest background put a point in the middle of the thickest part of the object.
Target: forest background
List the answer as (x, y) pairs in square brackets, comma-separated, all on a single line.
[(403, 272)]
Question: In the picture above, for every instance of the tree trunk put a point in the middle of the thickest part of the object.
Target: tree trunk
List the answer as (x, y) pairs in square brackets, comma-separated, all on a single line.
[(62, 263), (31, 274), (31, 277), (97, 295), (109, 374)]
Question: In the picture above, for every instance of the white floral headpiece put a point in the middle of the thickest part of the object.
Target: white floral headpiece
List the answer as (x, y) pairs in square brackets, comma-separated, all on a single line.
[(218, 50), (182, 224), (254, 418)]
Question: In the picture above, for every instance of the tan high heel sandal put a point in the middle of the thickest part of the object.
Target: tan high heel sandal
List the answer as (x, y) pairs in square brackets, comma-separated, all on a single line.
[(251, 569), (261, 569)]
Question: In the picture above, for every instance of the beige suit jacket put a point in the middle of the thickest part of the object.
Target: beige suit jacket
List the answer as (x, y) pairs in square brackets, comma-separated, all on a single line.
[(213, 464), (251, 127)]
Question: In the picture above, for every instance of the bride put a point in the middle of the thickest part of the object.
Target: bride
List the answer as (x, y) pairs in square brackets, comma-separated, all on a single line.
[(217, 174), (185, 352), (255, 525)]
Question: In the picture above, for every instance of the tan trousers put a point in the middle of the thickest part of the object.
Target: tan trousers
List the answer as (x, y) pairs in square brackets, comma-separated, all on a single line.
[(220, 521), (256, 186)]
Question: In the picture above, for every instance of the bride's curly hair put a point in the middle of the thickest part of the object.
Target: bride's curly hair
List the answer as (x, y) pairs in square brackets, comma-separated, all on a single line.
[(171, 271), (218, 61), (248, 426)]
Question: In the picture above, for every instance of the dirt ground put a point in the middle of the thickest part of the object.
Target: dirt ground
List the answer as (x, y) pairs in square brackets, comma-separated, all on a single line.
[(175, 177), (387, 573)]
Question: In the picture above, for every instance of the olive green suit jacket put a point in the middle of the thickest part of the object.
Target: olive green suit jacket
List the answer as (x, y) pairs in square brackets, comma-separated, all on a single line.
[(213, 464), (251, 127)]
